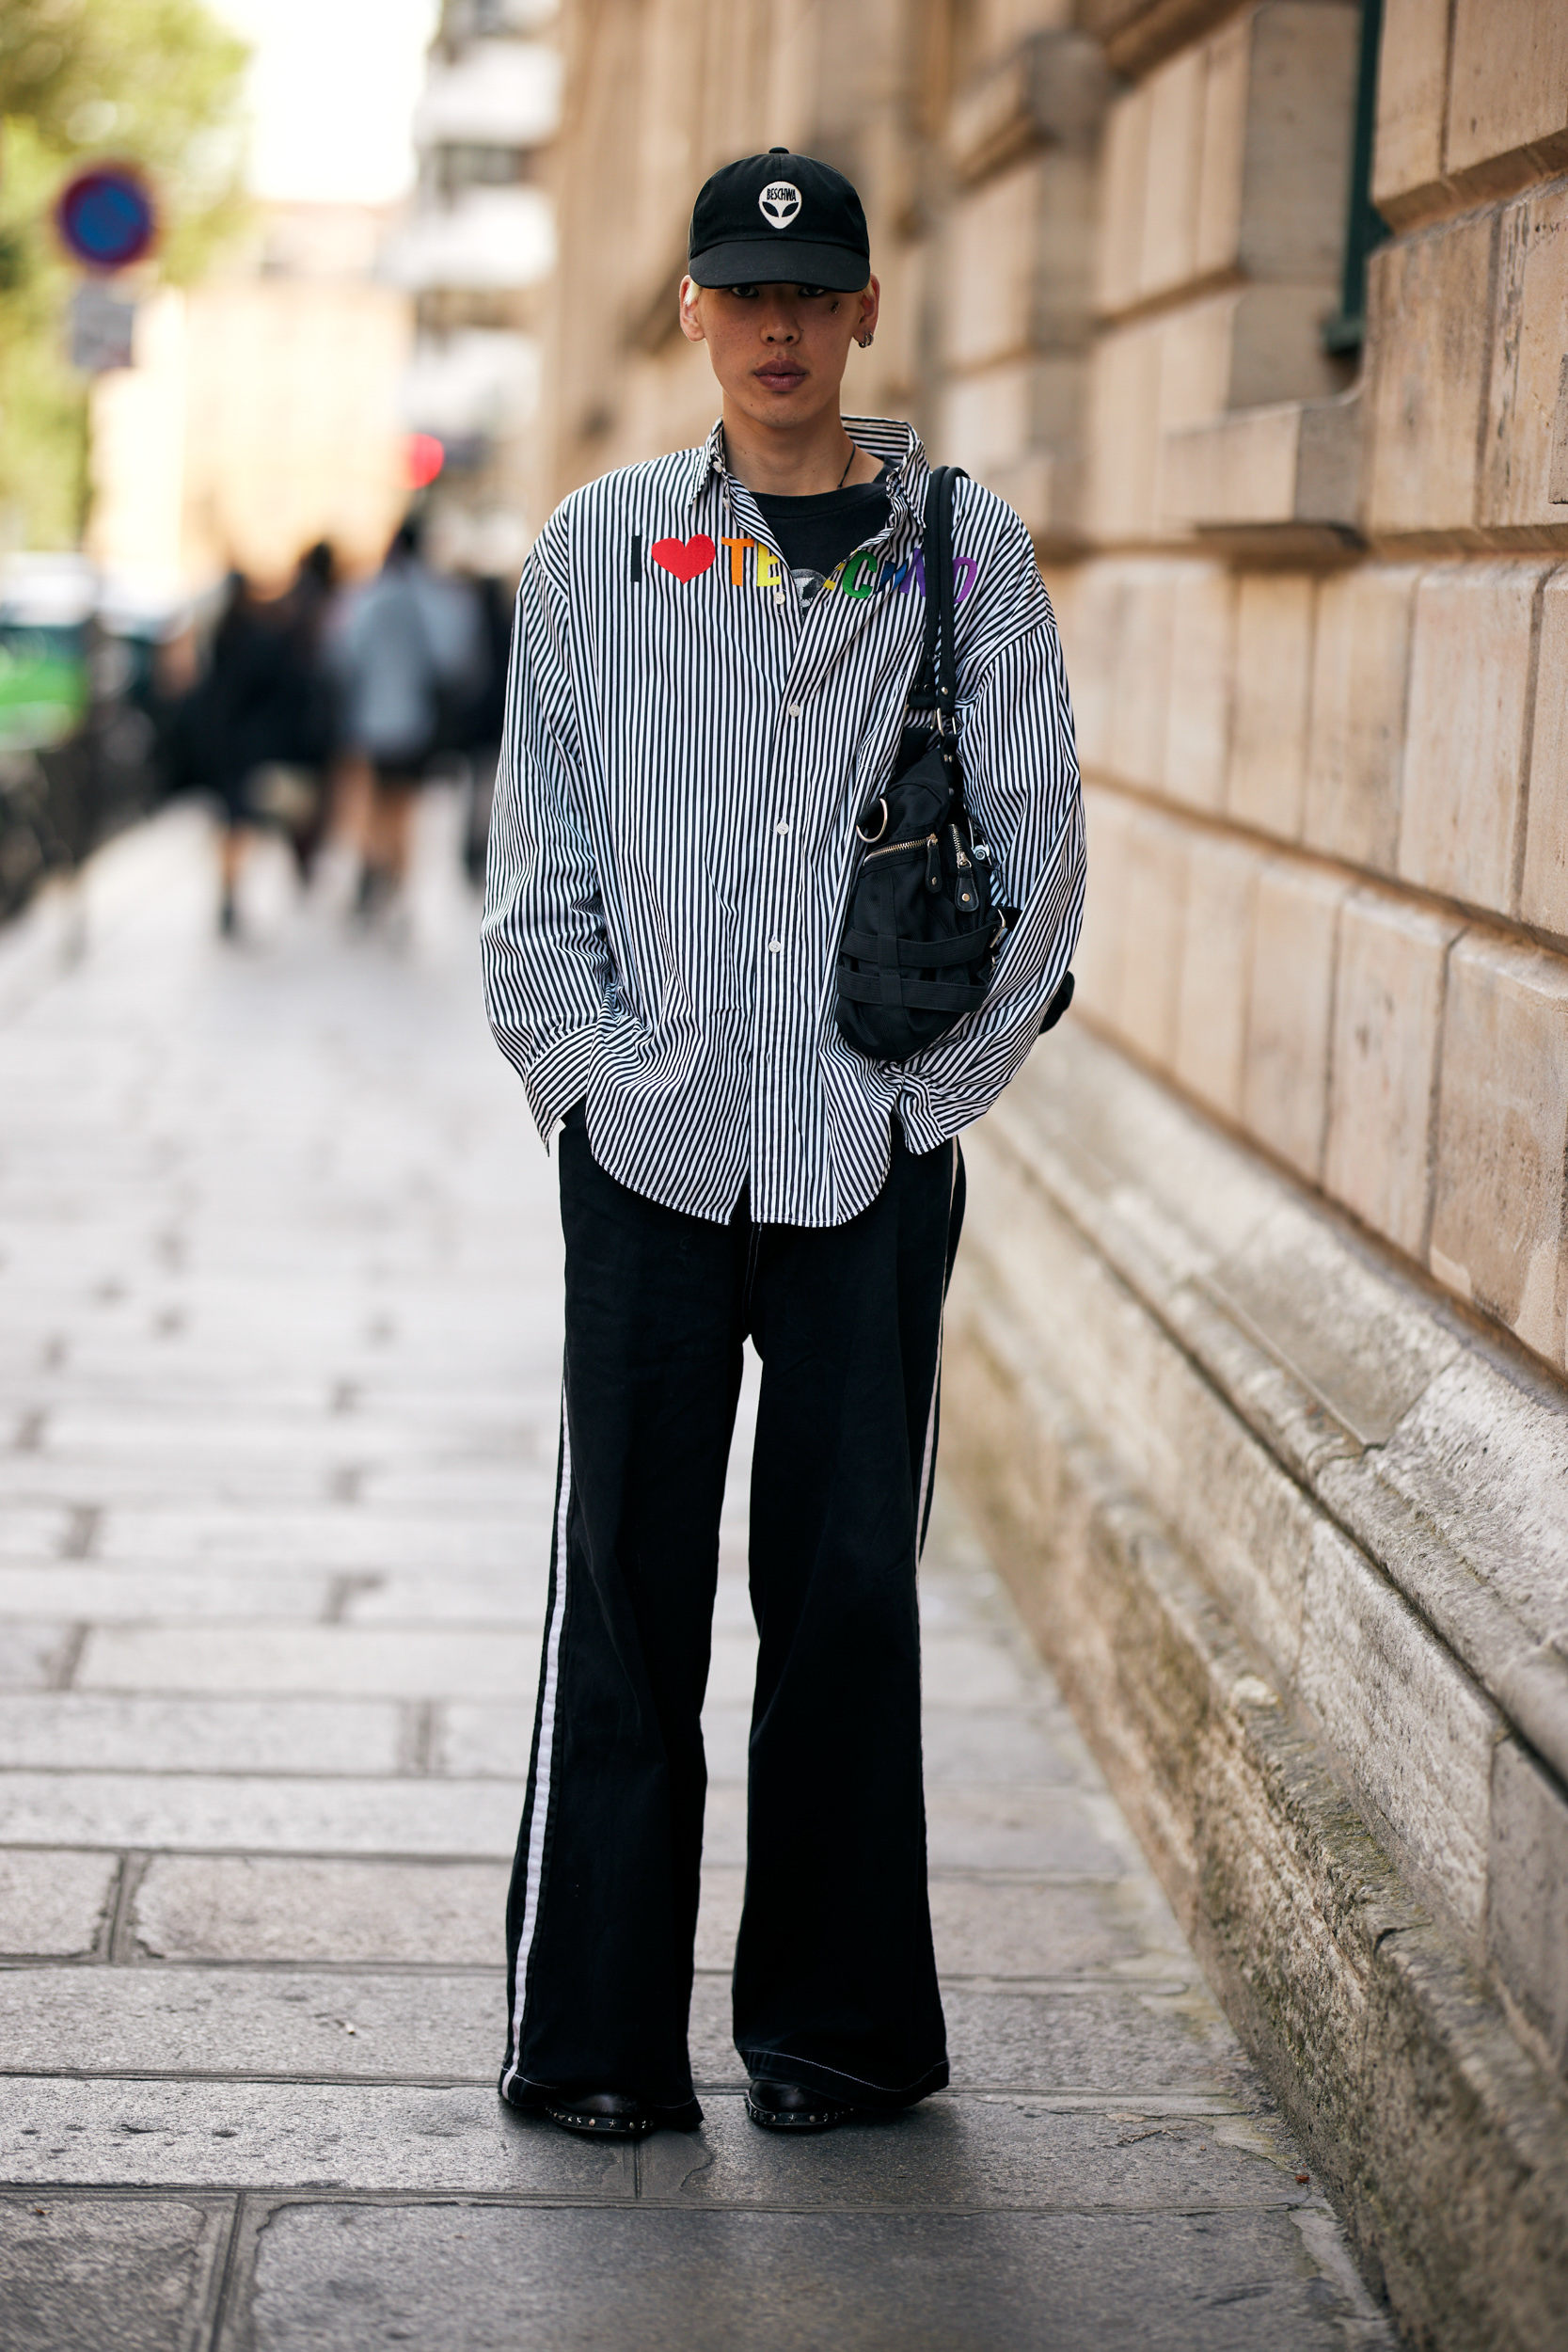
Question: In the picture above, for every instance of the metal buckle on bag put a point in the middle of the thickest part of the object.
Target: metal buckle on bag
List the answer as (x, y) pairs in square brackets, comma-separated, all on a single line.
[(869, 838)]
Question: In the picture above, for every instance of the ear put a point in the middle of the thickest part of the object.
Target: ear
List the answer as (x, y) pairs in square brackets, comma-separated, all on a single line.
[(871, 308), (692, 311)]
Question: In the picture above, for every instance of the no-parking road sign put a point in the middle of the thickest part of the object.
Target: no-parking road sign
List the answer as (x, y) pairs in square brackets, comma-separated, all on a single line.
[(105, 216)]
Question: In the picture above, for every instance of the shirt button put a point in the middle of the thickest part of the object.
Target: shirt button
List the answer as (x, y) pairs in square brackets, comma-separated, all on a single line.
[(775, 946), (781, 826), (795, 709)]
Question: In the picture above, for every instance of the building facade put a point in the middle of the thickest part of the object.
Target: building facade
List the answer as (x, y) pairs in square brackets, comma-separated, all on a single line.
[(259, 413), (1256, 1351), (474, 251)]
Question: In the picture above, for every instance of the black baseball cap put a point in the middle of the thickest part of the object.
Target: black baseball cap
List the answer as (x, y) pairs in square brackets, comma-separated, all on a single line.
[(776, 216)]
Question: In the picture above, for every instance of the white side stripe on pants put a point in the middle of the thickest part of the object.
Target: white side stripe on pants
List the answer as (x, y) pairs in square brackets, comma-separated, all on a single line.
[(936, 1386), (542, 1772)]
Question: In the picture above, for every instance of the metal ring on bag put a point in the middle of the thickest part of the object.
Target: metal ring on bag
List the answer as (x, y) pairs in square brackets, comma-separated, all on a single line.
[(869, 838)]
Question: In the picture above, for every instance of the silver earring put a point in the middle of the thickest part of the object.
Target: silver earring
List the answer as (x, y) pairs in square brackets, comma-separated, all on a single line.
[(869, 339)]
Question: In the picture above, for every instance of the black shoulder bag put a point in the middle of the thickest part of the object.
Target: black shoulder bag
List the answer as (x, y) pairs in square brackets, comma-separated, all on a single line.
[(921, 935)]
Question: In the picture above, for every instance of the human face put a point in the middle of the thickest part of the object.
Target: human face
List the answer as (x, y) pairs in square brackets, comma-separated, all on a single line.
[(779, 351)]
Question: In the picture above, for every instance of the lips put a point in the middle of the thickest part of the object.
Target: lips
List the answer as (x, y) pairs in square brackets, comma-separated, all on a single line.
[(781, 379)]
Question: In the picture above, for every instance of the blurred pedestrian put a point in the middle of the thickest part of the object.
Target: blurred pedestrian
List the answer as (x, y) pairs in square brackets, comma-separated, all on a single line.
[(410, 656), (229, 726)]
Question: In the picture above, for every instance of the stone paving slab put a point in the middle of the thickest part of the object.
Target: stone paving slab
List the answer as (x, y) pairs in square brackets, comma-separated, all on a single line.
[(379, 1662), (83, 1730), (336, 2278), (108, 2132), (56, 1904), (82, 2274), (75, 1591), (255, 1815), (34, 1655), (256, 1907)]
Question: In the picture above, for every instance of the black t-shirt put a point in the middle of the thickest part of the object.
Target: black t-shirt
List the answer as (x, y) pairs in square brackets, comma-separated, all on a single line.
[(816, 534)]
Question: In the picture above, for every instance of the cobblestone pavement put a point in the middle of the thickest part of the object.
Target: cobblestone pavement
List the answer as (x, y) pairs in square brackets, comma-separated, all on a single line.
[(279, 1332)]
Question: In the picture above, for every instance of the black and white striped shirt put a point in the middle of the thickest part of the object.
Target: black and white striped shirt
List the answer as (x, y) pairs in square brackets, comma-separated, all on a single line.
[(687, 751)]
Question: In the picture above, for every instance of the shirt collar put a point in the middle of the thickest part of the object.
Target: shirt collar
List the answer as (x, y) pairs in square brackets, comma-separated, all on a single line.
[(888, 437)]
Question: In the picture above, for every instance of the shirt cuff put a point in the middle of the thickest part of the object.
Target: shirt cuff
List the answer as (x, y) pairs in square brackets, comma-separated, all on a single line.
[(924, 1130), (557, 1077)]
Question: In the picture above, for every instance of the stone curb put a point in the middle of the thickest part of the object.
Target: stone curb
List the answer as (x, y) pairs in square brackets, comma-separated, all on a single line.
[(1444, 2144)]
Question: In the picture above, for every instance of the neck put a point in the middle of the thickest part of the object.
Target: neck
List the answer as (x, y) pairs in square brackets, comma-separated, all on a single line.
[(801, 463)]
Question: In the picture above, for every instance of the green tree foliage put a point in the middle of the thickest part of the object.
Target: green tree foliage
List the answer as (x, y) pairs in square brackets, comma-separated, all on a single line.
[(156, 83)]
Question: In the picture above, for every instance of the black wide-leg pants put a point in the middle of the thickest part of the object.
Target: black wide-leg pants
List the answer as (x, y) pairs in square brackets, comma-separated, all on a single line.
[(835, 1982)]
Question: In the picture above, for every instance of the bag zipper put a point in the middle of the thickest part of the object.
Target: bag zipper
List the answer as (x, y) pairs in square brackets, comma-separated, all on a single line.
[(899, 848)]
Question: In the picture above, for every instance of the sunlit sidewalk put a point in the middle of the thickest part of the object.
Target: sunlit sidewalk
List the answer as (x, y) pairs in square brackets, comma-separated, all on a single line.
[(279, 1338)]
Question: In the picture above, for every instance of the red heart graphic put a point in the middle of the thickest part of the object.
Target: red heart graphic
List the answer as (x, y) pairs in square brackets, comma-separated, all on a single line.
[(685, 558)]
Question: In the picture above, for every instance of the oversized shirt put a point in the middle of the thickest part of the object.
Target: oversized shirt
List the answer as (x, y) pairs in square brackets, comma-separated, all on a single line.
[(686, 750)]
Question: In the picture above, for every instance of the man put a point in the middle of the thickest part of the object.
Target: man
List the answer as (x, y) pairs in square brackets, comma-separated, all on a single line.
[(709, 674)]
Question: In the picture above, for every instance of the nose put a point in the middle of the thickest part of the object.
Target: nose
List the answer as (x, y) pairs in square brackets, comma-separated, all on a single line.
[(778, 327)]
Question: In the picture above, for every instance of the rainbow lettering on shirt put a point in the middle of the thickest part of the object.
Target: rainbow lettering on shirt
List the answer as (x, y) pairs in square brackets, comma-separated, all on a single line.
[(752, 564)]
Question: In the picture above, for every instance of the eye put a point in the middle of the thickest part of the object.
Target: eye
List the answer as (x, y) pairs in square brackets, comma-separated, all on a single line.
[(742, 294), (810, 294)]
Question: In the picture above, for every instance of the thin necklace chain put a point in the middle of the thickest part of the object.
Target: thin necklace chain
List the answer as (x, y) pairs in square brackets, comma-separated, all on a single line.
[(848, 463)]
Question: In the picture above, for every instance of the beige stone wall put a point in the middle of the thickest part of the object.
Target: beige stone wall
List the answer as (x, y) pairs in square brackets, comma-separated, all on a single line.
[(1316, 625)]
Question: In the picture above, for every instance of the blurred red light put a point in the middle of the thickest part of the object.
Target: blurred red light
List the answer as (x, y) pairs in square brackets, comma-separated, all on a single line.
[(423, 458)]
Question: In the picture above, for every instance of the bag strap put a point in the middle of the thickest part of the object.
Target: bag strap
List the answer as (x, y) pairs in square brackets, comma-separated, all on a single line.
[(936, 681)]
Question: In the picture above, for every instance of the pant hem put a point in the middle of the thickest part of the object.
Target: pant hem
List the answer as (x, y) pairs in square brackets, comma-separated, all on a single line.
[(526, 2098), (770, 2066)]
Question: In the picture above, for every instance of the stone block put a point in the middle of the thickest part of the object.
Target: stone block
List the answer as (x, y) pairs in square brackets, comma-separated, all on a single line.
[(1274, 674), (1216, 970), (1294, 467), (1152, 913), (1360, 670), (1466, 743), (1202, 668), (1521, 488), (992, 420), (1543, 888), (1102, 944), (1124, 428), (1430, 352), (1383, 1094), (1412, 84), (55, 1906), (964, 1745), (259, 1907), (1121, 229), (1402, 1714), (1507, 84), (1294, 154), (1050, 1927), (77, 2274), (1285, 1089), (1089, 601), (994, 262), (1526, 1902), (1359, 1345), (1140, 713), (1222, 173), (1502, 1131), (1171, 167)]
